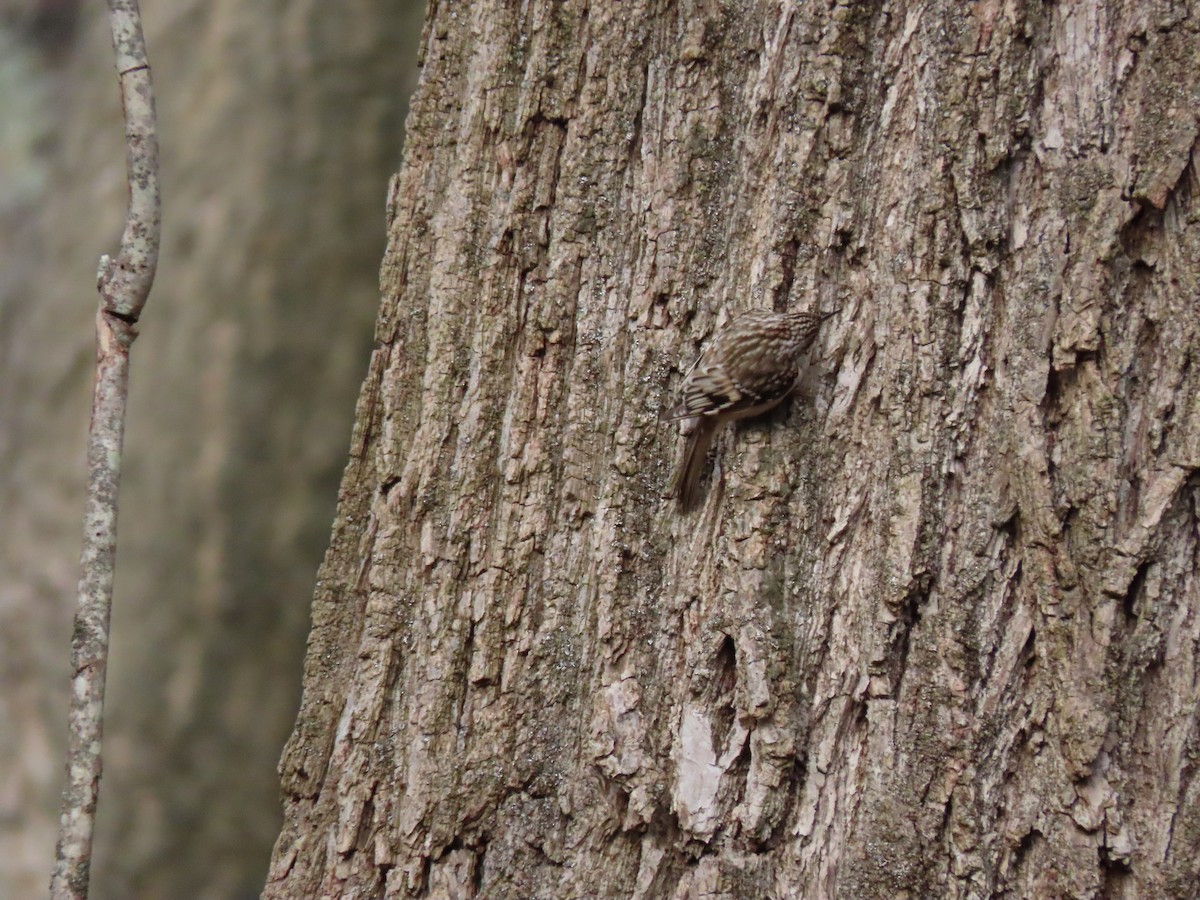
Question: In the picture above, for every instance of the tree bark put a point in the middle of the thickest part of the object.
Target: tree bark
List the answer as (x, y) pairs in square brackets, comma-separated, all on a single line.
[(934, 631)]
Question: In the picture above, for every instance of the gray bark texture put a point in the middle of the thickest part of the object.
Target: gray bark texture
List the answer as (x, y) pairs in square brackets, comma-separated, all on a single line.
[(280, 123), (934, 631)]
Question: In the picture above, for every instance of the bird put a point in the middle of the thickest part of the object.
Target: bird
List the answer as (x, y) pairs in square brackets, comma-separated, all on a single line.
[(748, 368)]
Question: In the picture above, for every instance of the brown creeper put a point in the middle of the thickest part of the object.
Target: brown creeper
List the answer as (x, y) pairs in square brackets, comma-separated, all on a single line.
[(748, 368)]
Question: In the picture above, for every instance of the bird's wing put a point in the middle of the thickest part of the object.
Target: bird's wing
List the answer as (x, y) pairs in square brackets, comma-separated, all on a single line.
[(707, 391)]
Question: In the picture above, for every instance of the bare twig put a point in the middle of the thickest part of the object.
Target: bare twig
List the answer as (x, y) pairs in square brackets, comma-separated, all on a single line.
[(124, 285)]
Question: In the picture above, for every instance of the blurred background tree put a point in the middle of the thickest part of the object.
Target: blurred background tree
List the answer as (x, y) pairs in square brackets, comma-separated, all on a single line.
[(280, 125)]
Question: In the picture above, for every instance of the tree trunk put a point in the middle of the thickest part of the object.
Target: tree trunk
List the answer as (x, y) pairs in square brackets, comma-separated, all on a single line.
[(934, 631)]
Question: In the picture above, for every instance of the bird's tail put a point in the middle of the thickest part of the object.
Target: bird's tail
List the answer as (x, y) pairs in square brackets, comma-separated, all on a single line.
[(686, 486)]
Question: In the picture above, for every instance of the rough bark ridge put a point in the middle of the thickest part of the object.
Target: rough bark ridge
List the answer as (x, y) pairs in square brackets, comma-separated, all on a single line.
[(934, 632)]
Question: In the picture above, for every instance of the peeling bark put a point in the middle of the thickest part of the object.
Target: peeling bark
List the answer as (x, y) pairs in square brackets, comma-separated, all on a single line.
[(934, 632)]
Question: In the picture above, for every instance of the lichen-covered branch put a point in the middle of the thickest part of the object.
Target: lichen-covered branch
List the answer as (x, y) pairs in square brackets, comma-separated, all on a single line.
[(124, 284)]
